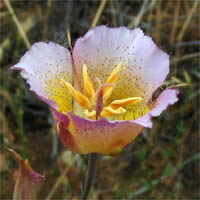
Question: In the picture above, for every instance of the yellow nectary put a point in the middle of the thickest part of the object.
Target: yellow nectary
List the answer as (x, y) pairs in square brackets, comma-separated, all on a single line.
[(88, 100)]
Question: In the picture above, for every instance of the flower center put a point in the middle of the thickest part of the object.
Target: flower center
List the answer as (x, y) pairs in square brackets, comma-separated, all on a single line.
[(94, 102)]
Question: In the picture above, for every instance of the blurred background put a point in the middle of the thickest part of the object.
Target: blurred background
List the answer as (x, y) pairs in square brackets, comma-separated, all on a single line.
[(163, 162)]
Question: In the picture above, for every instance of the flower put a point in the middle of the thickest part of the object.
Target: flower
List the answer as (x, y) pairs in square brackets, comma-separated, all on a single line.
[(101, 92)]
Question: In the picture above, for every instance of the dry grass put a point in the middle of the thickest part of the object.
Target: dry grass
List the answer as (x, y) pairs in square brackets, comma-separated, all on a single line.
[(163, 163)]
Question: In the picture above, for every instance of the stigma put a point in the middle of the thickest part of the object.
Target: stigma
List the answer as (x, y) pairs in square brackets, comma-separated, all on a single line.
[(94, 102)]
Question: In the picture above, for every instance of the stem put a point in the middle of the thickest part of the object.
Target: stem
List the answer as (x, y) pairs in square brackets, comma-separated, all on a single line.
[(92, 160)]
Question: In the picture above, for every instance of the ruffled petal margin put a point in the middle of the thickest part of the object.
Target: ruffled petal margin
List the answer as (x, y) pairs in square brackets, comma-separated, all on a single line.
[(102, 136), (144, 65), (41, 67), (106, 137), (166, 98)]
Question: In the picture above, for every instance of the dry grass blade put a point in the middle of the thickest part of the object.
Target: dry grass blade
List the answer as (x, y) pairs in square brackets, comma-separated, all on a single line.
[(158, 21), (176, 14), (137, 20), (114, 19), (45, 29), (69, 38), (58, 182), (6, 45), (174, 172), (99, 11), (187, 21), (152, 5), (186, 57), (5, 128), (19, 26)]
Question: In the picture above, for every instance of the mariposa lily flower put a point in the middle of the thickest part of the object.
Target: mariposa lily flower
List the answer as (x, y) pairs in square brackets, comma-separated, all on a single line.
[(100, 92)]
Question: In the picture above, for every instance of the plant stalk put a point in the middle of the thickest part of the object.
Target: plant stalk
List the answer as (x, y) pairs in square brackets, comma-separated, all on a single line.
[(92, 160)]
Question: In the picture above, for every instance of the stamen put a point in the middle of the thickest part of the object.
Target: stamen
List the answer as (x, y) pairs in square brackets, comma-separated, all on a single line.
[(88, 87), (119, 103), (80, 98), (113, 76), (112, 79), (91, 114), (108, 111), (92, 100)]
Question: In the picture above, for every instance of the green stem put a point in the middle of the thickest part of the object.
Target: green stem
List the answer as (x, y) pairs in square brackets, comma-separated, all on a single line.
[(92, 160)]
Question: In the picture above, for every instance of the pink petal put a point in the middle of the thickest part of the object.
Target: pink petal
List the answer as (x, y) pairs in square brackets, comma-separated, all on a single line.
[(106, 137), (62, 126), (85, 136), (102, 48), (43, 63), (166, 98), (145, 121)]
